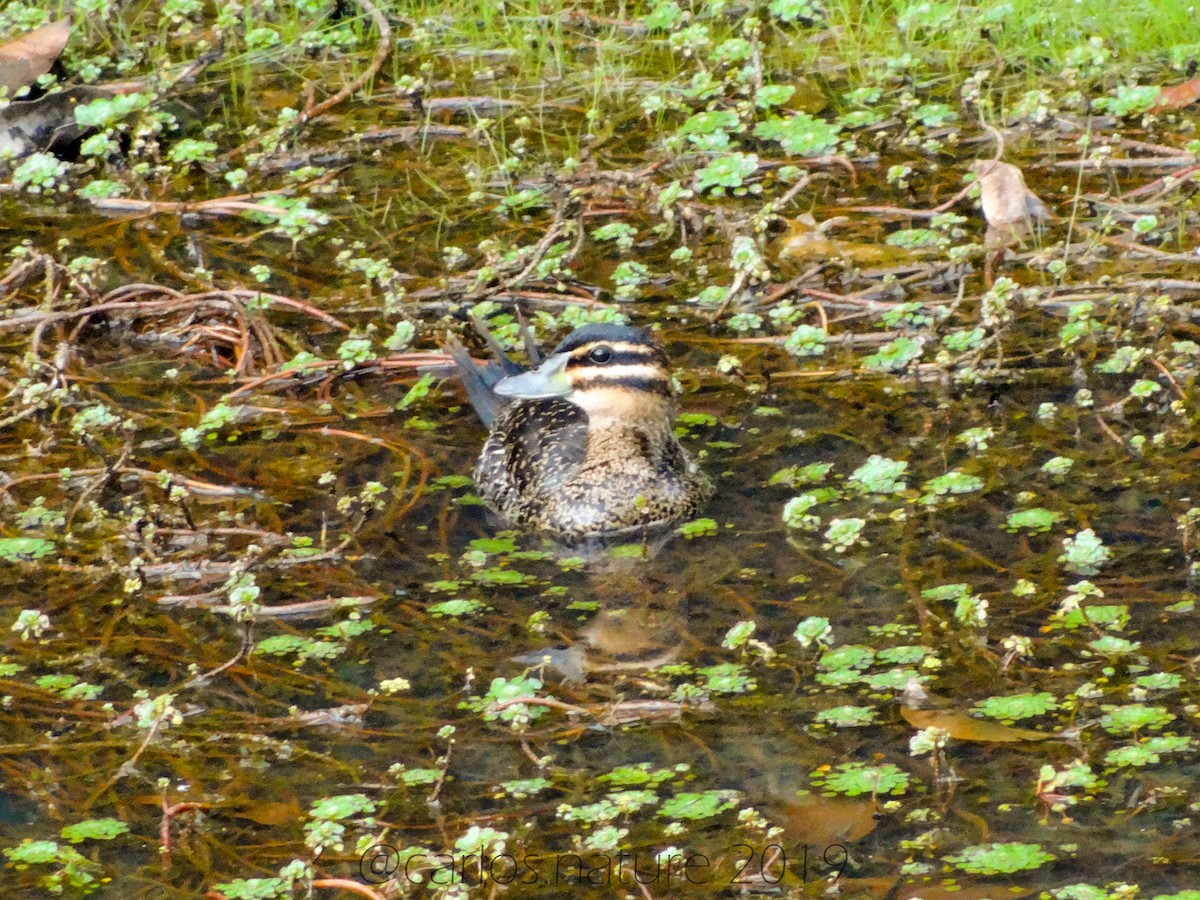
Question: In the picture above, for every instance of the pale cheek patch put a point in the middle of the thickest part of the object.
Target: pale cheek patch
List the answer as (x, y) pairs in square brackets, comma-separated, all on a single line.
[(618, 403)]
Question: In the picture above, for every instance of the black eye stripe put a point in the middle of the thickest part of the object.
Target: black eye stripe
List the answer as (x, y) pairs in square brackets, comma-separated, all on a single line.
[(620, 358)]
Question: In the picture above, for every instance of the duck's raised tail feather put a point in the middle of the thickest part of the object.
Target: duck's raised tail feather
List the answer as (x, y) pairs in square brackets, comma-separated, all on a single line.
[(478, 380)]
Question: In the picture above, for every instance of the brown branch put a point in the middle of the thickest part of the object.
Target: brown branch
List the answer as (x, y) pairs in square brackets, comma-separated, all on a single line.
[(164, 827), (1160, 184), (558, 229), (231, 205), (310, 111), (381, 52), (242, 653), (233, 297), (1140, 162), (308, 609), (1108, 432), (1167, 374), (739, 283)]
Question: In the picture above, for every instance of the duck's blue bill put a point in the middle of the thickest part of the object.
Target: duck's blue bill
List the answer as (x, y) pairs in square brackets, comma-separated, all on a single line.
[(547, 380)]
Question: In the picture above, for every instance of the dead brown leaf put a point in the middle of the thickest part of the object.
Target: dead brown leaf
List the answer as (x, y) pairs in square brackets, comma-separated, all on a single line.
[(825, 820), (1177, 97), (1006, 199), (805, 242), (268, 812), (965, 727), (25, 59)]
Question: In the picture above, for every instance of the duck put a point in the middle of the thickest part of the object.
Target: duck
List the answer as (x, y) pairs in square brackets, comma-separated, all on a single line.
[(583, 445)]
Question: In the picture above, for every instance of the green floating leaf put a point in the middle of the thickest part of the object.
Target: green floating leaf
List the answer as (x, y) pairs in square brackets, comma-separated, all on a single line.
[(698, 528), (806, 340), (33, 852), (1135, 717), (1018, 706), (727, 171), (497, 576), (800, 134), (416, 777), (95, 830), (953, 482), (301, 647), (794, 476), (1148, 752), (1114, 616), (255, 888), (842, 534), (791, 10), (1037, 520), (914, 238), (1085, 553), (1160, 681), (849, 656), (1111, 645), (880, 475), (702, 805), (24, 549), (625, 776), (456, 608), (493, 546), (1000, 859), (727, 678), (343, 806), (814, 629), (795, 511), (896, 355), (848, 716), (908, 655), (853, 779), (525, 787)]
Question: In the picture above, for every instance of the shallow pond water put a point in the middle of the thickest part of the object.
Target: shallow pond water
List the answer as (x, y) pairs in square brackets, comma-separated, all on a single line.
[(260, 634)]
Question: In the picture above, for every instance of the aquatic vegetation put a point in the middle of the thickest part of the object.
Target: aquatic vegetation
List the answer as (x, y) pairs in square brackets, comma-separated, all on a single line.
[(853, 779), (996, 859), (261, 637)]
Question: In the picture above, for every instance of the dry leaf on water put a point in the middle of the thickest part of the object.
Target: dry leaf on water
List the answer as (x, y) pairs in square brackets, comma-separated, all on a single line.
[(962, 726), (805, 242), (25, 59), (825, 821), (275, 813), (959, 725), (1006, 199), (1177, 97)]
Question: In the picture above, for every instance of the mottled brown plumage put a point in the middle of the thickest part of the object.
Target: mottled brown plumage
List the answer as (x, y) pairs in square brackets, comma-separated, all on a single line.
[(585, 447)]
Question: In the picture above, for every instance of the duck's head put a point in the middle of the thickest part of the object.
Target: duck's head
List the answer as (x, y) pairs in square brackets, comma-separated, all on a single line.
[(612, 372)]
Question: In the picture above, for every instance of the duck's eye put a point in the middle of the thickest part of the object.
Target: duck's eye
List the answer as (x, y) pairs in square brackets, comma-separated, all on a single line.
[(600, 355)]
